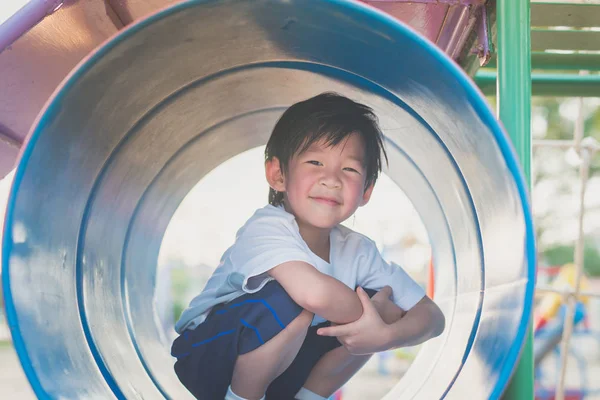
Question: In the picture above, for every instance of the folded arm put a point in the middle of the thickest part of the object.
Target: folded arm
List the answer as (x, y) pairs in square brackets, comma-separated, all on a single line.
[(318, 293), (374, 331), (422, 322)]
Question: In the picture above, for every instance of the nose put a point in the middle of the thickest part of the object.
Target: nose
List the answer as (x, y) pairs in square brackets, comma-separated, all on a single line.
[(331, 179)]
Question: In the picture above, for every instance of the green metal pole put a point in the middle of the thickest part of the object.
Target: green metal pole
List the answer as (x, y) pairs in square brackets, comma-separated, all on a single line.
[(514, 109)]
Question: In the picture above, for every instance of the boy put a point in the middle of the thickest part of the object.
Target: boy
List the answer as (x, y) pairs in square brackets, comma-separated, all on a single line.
[(279, 317)]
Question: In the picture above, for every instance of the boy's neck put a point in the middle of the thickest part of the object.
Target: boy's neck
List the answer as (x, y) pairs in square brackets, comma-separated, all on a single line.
[(317, 239)]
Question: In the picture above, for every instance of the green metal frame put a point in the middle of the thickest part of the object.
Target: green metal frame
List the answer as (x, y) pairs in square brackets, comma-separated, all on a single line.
[(560, 61), (562, 42), (514, 110), (557, 85), (514, 84)]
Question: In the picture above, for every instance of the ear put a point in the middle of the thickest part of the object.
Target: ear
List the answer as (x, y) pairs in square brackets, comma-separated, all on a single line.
[(367, 195), (274, 174)]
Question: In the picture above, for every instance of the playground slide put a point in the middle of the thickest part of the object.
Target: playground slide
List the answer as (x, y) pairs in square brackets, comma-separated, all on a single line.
[(148, 114)]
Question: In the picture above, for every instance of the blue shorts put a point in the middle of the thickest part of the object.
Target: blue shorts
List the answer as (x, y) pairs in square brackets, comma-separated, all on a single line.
[(206, 355)]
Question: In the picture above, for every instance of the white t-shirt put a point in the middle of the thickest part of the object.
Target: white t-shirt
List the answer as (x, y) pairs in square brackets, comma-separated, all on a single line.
[(270, 238)]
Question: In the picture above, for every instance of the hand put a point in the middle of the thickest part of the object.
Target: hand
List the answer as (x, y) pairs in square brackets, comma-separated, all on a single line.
[(387, 309), (366, 335), (381, 299)]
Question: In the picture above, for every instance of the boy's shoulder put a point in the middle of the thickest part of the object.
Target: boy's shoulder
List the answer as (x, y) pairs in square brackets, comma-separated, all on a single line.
[(349, 238), (273, 211), (269, 219)]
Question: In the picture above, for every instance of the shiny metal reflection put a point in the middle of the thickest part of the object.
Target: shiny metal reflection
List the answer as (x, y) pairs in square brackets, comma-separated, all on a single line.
[(169, 99)]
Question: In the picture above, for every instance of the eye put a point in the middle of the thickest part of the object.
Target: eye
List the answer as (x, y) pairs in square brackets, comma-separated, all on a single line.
[(314, 162), (351, 170)]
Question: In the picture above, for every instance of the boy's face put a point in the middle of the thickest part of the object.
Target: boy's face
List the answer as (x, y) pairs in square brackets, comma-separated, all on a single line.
[(325, 185)]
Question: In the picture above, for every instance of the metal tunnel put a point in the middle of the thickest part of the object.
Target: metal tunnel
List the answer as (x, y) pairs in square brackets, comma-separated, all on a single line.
[(143, 118)]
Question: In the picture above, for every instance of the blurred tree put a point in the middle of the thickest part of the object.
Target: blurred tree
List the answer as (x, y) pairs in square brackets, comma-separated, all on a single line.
[(560, 114), (553, 118), (561, 254), (552, 177), (180, 284)]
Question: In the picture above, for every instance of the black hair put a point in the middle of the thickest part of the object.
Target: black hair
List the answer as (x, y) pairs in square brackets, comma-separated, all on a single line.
[(330, 117)]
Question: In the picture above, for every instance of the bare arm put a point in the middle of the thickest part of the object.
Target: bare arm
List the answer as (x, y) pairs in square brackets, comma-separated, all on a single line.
[(387, 309), (371, 334), (318, 293), (422, 322)]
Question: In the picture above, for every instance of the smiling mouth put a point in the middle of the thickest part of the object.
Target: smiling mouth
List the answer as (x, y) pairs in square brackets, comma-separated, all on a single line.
[(326, 201)]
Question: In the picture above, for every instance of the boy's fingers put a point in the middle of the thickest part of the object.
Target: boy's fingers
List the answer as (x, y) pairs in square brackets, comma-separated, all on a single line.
[(387, 291), (338, 330), (365, 300)]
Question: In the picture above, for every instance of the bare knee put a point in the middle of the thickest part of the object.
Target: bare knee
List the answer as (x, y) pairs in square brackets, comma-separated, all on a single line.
[(254, 371)]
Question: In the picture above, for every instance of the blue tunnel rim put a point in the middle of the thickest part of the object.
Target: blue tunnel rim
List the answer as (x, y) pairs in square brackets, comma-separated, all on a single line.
[(473, 95), (483, 110), (322, 69)]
